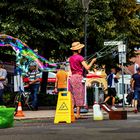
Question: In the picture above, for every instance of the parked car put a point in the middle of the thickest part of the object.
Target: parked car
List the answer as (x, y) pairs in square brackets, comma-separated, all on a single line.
[(51, 77), (51, 82)]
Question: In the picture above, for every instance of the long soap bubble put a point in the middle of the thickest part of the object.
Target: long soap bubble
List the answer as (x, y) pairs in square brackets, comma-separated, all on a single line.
[(22, 49)]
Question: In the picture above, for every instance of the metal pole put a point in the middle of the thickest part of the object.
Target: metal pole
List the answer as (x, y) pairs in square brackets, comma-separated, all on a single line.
[(96, 93), (44, 82), (122, 81), (85, 52)]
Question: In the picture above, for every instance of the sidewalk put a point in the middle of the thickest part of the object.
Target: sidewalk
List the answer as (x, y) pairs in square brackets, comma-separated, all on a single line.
[(40, 114), (44, 114)]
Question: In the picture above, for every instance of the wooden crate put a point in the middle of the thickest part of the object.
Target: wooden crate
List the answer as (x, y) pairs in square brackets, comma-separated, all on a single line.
[(118, 115)]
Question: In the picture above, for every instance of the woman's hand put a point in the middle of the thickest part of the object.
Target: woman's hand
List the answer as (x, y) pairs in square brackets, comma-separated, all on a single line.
[(88, 66), (94, 60)]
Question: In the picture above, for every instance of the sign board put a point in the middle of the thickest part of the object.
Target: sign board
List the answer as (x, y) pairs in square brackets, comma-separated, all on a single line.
[(18, 83), (113, 43), (64, 109), (122, 48), (122, 57)]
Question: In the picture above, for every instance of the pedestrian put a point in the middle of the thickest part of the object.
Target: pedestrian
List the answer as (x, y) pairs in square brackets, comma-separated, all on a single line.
[(34, 83), (135, 85), (3, 74), (61, 79), (112, 79), (77, 63)]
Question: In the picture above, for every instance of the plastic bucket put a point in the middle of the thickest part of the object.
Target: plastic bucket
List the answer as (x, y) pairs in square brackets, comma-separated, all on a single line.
[(6, 117)]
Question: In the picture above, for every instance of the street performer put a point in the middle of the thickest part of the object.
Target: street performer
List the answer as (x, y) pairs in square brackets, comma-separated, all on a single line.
[(77, 63)]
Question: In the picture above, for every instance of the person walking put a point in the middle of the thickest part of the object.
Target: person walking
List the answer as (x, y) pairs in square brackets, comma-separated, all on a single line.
[(112, 79), (61, 79), (3, 74), (135, 86), (77, 63), (34, 83)]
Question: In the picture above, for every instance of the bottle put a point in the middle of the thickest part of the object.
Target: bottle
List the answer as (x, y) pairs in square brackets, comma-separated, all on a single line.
[(97, 113)]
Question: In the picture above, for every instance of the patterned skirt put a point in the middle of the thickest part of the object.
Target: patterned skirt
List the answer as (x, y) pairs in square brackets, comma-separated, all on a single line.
[(77, 89)]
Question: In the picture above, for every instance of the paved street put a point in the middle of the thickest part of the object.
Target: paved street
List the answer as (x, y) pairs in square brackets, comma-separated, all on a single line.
[(86, 129)]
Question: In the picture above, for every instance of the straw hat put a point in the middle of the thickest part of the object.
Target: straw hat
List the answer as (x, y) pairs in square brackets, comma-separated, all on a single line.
[(76, 46)]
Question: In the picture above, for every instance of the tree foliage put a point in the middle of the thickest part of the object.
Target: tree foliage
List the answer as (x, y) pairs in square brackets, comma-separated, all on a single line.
[(51, 26), (111, 19), (47, 25)]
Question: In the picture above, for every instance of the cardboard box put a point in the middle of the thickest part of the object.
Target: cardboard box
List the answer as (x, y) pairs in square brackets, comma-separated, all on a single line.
[(118, 115)]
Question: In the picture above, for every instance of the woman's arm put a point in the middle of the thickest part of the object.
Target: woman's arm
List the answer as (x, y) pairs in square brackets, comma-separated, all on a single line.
[(88, 66)]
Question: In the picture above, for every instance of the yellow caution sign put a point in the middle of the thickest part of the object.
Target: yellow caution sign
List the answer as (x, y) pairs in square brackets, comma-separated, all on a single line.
[(64, 110)]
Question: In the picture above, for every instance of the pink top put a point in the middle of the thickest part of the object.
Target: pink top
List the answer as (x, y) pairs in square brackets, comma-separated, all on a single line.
[(75, 64)]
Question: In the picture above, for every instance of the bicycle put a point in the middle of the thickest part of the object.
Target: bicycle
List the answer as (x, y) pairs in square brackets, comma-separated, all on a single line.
[(24, 97)]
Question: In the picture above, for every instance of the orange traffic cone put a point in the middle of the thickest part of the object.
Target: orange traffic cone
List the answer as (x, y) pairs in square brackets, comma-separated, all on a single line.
[(19, 112)]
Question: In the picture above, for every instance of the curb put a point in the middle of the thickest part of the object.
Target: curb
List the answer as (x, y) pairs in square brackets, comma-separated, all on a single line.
[(28, 119), (45, 117)]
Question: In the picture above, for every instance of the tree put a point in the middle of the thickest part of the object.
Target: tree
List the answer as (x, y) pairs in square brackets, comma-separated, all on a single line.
[(111, 19), (101, 28), (127, 22), (51, 26), (47, 25)]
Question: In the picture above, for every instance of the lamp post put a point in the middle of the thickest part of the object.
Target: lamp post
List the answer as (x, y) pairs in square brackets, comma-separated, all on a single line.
[(85, 4)]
